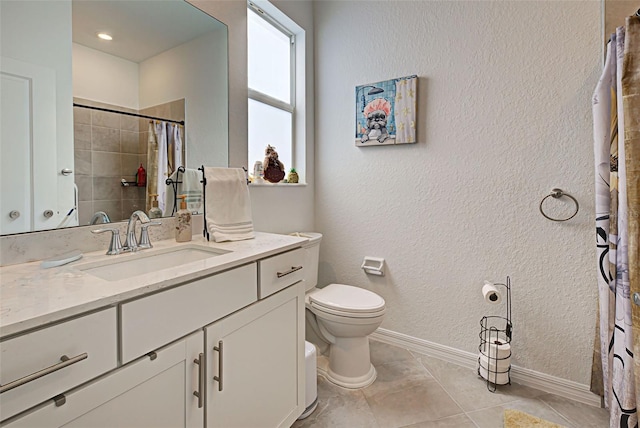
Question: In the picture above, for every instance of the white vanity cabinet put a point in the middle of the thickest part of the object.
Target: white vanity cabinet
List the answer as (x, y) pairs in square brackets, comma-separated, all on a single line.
[(255, 361), (44, 363), (152, 321), (151, 392), (223, 349)]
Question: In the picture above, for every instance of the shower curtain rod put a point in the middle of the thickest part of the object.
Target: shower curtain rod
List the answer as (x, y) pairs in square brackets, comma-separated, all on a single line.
[(180, 122)]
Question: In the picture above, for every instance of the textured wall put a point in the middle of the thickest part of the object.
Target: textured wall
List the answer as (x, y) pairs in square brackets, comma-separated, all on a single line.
[(504, 116)]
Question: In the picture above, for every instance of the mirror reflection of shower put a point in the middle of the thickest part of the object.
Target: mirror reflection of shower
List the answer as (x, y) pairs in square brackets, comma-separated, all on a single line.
[(144, 65), (121, 145)]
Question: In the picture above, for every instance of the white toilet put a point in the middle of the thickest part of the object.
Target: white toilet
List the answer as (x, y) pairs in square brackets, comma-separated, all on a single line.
[(339, 319)]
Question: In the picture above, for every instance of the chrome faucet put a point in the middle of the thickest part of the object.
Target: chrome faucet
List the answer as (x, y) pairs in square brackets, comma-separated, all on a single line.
[(100, 215), (131, 244)]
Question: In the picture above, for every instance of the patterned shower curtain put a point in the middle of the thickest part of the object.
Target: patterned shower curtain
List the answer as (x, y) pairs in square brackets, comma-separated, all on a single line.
[(631, 142), (617, 163), (603, 110)]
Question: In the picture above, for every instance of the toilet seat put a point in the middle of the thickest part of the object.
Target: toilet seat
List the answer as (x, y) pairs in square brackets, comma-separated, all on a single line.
[(347, 301)]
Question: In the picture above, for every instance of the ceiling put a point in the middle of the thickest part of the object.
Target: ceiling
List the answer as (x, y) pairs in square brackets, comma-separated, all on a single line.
[(133, 26)]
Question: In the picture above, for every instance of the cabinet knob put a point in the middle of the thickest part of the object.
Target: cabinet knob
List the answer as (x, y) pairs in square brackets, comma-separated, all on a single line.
[(66, 171), (48, 213), (14, 214)]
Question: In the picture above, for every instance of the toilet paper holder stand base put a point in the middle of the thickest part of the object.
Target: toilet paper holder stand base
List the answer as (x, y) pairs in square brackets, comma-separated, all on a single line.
[(494, 351)]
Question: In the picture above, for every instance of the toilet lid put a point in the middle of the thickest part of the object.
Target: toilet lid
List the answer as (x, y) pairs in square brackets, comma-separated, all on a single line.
[(347, 298)]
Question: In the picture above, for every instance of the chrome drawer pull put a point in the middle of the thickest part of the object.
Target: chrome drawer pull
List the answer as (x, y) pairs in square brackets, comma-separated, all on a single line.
[(201, 380), (292, 270), (219, 377), (65, 362)]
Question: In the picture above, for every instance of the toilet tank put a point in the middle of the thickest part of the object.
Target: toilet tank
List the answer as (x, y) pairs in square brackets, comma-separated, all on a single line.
[(312, 255)]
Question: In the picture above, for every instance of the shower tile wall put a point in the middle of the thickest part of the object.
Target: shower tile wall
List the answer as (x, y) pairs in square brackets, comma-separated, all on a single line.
[(107, 149)]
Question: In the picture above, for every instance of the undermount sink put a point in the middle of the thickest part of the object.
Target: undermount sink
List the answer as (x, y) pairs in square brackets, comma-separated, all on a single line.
[(145, 261)]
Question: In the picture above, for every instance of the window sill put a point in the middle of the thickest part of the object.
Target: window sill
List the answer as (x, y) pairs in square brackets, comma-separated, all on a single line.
[(267, 184)]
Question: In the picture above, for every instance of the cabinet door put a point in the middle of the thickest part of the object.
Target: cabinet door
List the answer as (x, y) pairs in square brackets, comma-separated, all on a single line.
[(146, 393), (255, 364)]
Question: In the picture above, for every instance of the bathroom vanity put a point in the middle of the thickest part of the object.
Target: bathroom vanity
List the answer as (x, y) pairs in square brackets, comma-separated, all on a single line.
[(213, 339)]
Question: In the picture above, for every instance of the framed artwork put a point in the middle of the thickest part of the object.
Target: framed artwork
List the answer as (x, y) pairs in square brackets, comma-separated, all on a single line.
[(386, 112)]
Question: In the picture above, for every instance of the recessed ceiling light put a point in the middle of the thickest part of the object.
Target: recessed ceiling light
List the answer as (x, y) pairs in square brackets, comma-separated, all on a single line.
[(105, 36)]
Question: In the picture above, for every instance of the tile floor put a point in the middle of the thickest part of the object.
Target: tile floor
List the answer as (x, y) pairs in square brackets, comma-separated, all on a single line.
[(416, 391)]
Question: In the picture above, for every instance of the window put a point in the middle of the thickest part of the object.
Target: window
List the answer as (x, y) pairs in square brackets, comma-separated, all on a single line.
[(271, 76)]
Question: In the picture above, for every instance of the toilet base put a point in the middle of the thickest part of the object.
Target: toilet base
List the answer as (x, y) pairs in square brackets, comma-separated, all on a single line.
[(353, 382), (353, 370)]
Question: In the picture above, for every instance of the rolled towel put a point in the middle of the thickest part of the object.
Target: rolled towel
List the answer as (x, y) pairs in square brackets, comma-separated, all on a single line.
[(228, 204)]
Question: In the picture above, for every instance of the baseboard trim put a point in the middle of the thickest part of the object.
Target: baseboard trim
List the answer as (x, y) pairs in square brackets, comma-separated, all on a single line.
[(534, 379)]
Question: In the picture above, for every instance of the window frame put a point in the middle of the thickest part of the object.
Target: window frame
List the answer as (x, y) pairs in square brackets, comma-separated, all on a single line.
[(263, 98)]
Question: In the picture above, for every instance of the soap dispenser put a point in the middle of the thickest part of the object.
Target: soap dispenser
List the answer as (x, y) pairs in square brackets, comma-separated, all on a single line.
[(154, 212), (183, 221)]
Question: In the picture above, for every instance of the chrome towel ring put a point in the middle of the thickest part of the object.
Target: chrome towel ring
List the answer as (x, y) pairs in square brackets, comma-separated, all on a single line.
[(558, 193)]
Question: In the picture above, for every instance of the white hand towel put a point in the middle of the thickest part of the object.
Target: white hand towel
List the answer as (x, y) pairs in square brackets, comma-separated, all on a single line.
[(228, 204)]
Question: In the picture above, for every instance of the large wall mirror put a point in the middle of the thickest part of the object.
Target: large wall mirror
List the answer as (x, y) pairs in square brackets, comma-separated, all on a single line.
[(81, 115)]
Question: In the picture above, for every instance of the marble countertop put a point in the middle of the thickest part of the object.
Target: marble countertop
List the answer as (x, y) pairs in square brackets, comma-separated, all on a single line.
[(31, 296)]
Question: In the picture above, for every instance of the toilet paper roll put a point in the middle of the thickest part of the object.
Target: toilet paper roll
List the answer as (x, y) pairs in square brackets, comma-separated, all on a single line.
[(500, 366), (496, 349), (491, 293), (494, 377)]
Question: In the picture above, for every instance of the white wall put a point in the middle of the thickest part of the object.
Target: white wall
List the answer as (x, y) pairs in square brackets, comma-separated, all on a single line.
[(99, 76), (196, 71), (279, 208), (504, 116)]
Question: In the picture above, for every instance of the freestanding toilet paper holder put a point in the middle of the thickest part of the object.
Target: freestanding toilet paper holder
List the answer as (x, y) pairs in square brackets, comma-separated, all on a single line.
[(494, 357)]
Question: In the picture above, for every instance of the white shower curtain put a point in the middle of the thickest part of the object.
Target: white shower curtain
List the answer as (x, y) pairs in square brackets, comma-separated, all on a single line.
[(152, 165), (616, 333), (161, 176), (176, 144)]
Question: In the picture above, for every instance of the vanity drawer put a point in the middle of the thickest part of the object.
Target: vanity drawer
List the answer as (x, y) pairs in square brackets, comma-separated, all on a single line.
[(89, 343), (280, 271), (153, 321)]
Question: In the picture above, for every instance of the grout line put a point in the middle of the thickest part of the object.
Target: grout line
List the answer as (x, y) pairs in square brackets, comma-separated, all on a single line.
[(569, 421), (417, 355), (445, 391)]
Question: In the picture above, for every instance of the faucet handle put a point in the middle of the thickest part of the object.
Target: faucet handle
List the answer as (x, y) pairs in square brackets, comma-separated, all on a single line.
[(115, 246), (144, 241)]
